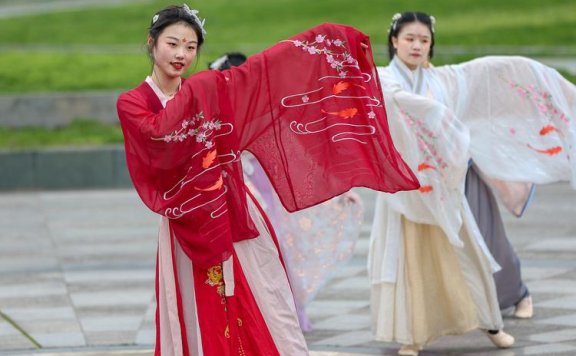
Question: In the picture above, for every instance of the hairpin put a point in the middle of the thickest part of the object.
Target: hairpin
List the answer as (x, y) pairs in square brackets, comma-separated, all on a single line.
[(194, 15), (397, 16), (218, 62)]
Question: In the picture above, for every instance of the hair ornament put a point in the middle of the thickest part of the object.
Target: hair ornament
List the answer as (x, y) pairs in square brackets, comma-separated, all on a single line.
[(218, 62), (397, 16), (194, 14), (433, 22), (155, 18)]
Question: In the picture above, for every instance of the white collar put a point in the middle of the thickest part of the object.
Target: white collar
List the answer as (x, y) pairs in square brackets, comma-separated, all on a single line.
[(163, 97), (412, 78)]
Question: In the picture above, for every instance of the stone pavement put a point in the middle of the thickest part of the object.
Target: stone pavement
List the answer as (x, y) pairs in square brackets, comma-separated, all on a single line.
[(77, 272)]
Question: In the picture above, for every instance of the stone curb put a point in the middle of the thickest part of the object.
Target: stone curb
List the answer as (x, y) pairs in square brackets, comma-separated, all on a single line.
[(57, 109), (64, 168)]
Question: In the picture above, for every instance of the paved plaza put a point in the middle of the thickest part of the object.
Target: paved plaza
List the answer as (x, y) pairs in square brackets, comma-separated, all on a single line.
[(77, 274), (77, 269)]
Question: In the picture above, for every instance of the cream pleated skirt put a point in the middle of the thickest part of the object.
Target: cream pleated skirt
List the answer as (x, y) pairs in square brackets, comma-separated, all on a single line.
[(440, 289)]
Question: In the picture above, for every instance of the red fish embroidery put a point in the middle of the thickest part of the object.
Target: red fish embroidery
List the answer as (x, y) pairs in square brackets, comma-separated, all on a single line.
[(214, 186), (342, 85), (345, 114), (208, 159), (548, 151), (424, 166), (547, 129), (426, 189)]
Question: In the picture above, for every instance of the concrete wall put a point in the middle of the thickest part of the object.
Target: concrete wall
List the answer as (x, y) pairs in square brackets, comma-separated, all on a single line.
[(56, 109), (64, 168)]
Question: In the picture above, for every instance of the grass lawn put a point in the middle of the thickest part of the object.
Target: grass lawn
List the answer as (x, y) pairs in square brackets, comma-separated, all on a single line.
[(102, 47)]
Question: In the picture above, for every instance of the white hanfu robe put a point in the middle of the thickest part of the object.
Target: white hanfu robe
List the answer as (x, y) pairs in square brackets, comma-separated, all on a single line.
[(515, 118), (430, 273)]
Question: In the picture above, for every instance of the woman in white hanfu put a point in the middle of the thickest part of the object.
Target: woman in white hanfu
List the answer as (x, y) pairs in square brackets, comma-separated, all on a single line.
[(430, 268), (430, 272)]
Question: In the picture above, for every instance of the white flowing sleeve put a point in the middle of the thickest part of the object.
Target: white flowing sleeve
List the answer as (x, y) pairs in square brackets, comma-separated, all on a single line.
[(435, 145), (521, 115)]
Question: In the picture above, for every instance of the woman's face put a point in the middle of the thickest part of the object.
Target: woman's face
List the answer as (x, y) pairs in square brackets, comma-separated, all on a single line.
[(413, 44), (175, 50)]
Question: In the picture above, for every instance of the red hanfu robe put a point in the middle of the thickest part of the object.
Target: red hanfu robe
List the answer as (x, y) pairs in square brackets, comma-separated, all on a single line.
[(309, 108)]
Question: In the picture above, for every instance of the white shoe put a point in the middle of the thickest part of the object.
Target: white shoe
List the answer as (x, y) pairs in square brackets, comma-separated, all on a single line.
[(524, 309), (501, 339), (409, 350)]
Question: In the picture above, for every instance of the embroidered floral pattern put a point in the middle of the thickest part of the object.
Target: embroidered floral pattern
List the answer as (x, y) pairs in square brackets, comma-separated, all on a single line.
[(194, 128), (426, 144), (215, 279), (543, 101), (332, 49), (349, 82)]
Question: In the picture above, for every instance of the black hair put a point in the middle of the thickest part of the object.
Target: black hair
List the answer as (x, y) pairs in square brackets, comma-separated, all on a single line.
[(228, 60), (408, 17), (169, 16)]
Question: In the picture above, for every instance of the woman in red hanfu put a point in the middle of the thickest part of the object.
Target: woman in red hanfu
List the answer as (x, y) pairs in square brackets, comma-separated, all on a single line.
[(310, 109)]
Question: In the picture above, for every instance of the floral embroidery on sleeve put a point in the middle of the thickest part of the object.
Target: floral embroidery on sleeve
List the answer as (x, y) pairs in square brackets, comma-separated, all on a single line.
[(348, 77), (195, 127), (543, 102), (203, 131), (330, 49), (426, 145)]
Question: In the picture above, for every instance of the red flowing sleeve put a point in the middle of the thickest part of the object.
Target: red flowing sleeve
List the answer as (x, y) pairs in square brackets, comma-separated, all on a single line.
[(184, 163), (311, 110)]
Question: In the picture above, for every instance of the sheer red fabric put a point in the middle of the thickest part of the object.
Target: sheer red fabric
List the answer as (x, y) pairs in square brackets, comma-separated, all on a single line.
[(309, 108)]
